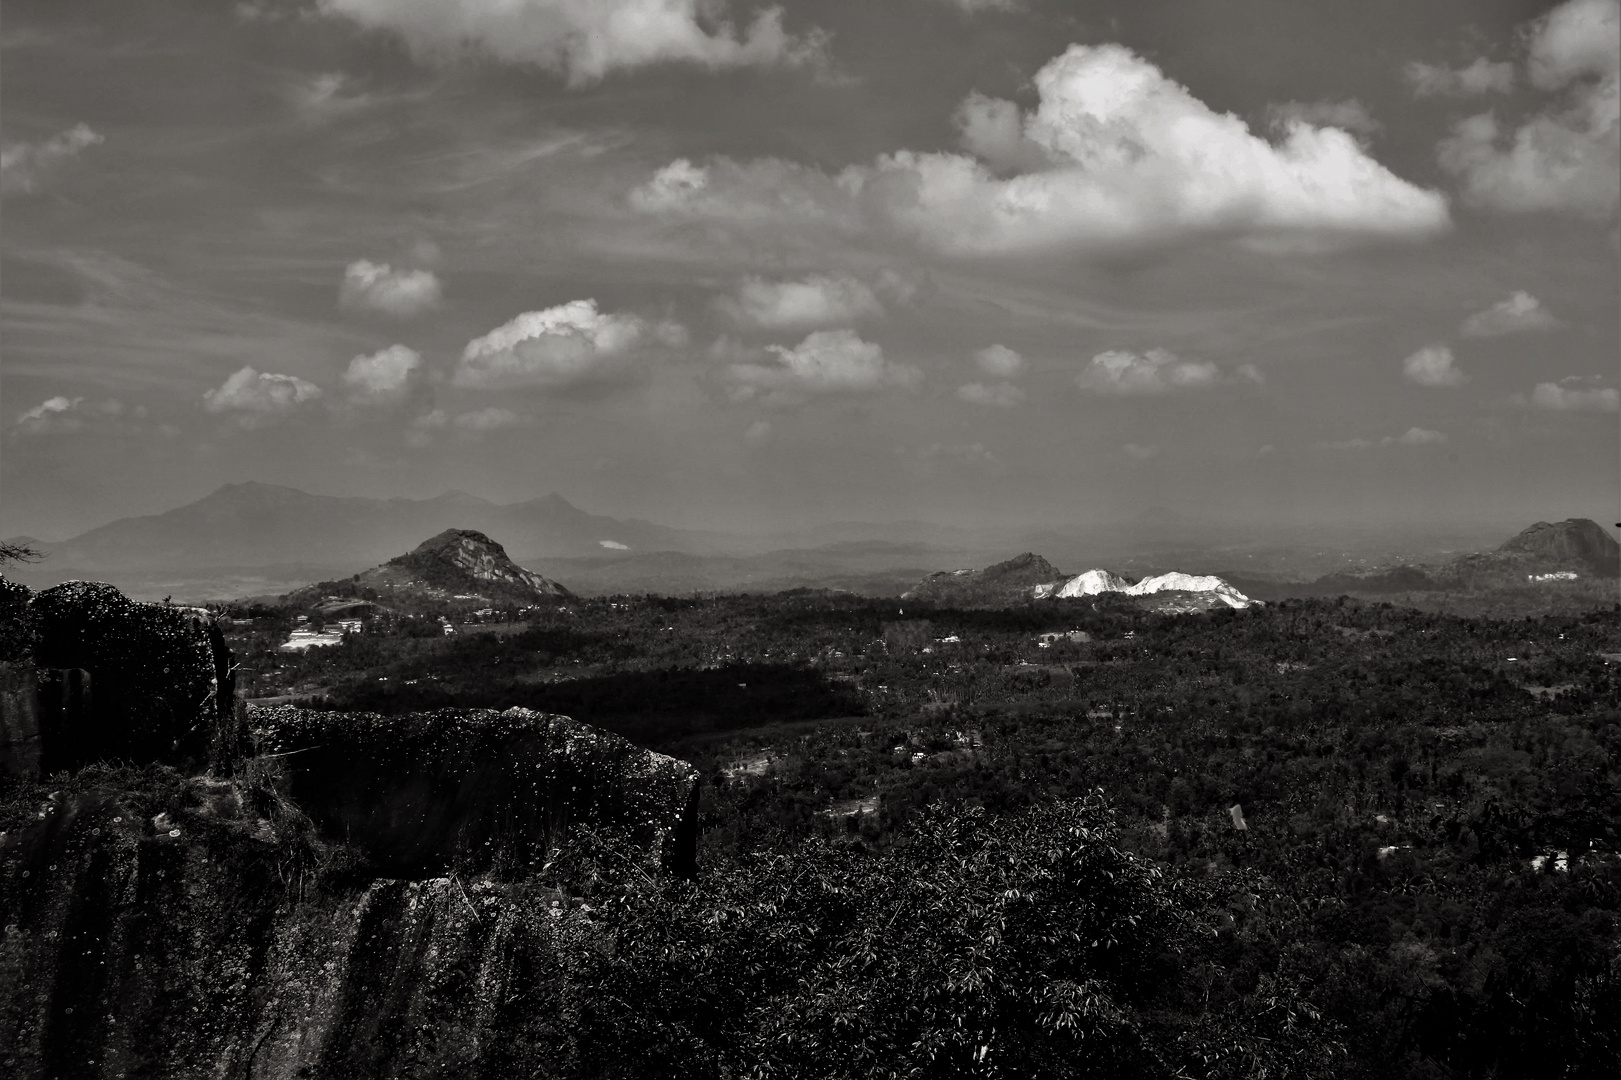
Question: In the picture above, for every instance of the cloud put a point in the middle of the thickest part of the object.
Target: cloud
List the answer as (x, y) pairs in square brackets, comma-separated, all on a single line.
[(1566, 158), (1413, 436), (1121, 373), (999, 360), (975, 7), (1433, 366), (1139, 452), (63, 415), (586, 40), (489, 418), (1250, 373), (385, 378), (820, 300), (1115, 156), (1519, 314), (561, 346), (1571, 395), (369, 286), (826, 362), (1003, 395), (758, 433), (1350, 115), (255, 398), (1480, 77), (25, 167)]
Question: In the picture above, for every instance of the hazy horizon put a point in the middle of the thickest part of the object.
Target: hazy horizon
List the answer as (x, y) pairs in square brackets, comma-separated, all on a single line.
[(984, 263)]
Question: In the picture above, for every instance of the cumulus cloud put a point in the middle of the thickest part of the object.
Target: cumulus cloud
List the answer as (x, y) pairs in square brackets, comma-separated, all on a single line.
[(385, 378), (1568, 156), (1574, 394), (826, 362), (1003, 395), (566, 345), (369, 286), (1480, 77), (255, 398), (25, 167), (1158, 371), (1115, 156), (585, 40), (820, 300), (999, 360), (1433, 366), (1520, 313), (1350, 115), (1413, 436)]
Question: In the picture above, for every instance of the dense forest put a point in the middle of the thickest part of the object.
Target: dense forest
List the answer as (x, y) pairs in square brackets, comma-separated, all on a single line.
[(1369, 841)]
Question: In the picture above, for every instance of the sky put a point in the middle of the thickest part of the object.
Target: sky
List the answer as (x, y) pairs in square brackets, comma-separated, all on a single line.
[(727, 265)]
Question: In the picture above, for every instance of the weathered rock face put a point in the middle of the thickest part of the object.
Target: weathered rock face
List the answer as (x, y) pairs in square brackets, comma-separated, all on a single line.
[(116, 679), (178, 944), (477, 791)]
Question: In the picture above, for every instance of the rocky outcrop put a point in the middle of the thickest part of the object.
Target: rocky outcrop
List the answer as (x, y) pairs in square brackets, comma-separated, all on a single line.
[(477, 791), (114, 680), (175, 929)]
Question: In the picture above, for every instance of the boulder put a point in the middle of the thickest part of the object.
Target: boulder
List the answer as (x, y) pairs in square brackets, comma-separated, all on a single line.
[(476, 790), (113, 680)]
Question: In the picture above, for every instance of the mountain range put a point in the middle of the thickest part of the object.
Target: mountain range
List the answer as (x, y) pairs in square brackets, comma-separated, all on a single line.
[(255, 539)]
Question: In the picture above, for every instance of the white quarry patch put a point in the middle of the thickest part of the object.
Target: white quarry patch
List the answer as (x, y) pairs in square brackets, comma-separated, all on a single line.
[(1096, 582), (1557, 575), (614, 545), (310, 639), (1092, 583)]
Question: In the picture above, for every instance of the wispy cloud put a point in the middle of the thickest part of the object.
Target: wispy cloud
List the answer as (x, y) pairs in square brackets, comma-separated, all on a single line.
[(1121, 373), (26, 167), (1520, 313), (818, 301), (587, 40)]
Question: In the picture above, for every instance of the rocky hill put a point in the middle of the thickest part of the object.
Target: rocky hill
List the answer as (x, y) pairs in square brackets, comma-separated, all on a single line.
[(1007, 582), (1573, 544), (457, 565)]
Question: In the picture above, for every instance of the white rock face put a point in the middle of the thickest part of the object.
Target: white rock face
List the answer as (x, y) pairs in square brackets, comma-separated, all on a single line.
[(1094, 582), (1206, 583)]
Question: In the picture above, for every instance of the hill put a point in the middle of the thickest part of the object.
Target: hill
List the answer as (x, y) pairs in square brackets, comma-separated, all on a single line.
[(455, 565), (1003, 583)]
